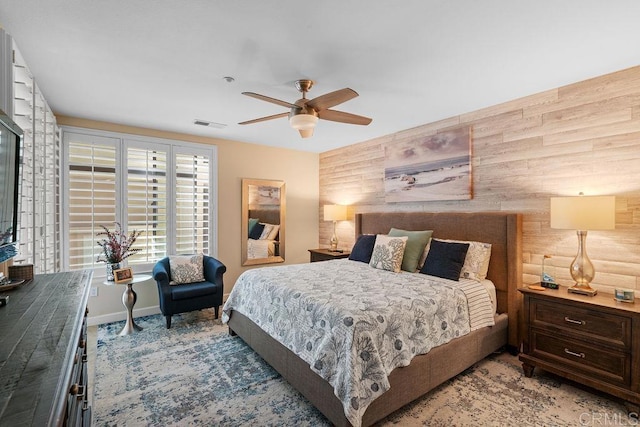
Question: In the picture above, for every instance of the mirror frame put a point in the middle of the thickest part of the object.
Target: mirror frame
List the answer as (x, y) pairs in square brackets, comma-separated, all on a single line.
[(245, 221)]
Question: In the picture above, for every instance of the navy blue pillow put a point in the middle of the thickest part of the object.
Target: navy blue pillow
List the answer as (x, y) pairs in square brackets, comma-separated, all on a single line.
[(363, 248), (256, 231), (445, 259)]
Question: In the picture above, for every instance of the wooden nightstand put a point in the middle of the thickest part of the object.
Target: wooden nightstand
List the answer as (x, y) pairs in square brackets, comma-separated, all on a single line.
[(591, 340), (316, 255)]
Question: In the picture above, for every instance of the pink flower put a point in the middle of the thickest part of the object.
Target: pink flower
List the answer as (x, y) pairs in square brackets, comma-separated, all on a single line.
[(116, 247)]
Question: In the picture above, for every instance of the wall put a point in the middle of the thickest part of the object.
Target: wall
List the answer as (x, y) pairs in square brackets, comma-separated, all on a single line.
[(581, 137), (236, 160)]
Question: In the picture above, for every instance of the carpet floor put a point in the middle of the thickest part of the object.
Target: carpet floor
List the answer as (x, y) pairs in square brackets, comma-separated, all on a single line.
[(197, 374)]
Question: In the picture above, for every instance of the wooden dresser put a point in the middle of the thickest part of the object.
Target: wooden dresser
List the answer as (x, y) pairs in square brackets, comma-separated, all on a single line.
[(591, 340), (43, 337)]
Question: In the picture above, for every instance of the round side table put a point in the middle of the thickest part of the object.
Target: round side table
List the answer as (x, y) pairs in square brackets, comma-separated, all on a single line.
[(129, 298)]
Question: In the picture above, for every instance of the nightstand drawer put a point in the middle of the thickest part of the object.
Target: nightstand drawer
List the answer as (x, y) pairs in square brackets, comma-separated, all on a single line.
[(589, 324), (607, 364)]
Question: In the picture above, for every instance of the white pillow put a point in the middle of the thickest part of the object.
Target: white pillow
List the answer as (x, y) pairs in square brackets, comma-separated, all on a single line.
[(186, 269), (270, 231), (476, 264), (388, 252), (266, 231), (274, 232)]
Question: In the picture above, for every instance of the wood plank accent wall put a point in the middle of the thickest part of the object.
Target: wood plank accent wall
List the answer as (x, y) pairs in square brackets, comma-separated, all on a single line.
[(581, 137)]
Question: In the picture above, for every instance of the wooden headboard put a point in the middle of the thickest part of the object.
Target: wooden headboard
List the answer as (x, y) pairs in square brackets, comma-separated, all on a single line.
[(502, 230)]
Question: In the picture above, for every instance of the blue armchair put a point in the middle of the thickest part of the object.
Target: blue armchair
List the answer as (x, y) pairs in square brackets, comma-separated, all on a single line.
[(186, 297)]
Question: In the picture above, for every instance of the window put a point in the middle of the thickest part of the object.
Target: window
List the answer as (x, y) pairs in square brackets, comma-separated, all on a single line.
[(160, 187), (38, 233), (192, 203)]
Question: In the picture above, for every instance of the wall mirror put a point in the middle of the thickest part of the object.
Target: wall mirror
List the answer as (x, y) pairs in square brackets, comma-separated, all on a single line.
[(263, 221)]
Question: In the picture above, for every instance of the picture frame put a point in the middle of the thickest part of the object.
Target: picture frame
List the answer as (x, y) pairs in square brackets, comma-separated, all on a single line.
[(429, 167), (123, 275)]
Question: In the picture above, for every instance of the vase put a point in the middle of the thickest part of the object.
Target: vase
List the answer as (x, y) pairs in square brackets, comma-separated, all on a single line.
[(110, 268)]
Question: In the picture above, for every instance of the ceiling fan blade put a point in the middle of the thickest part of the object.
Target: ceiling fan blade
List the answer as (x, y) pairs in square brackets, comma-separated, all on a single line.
[(271, 100), (341, 116), (332, 99), (262, 119)]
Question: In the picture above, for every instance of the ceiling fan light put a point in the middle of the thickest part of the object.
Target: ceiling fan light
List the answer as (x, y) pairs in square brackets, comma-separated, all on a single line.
[(303, 121), (306, 133)]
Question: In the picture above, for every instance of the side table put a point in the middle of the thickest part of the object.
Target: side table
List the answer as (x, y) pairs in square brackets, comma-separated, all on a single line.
[(129, 298), (316, 255)]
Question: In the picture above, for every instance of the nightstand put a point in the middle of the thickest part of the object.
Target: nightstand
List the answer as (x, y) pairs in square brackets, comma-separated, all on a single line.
[(591, 340), (316, 255)]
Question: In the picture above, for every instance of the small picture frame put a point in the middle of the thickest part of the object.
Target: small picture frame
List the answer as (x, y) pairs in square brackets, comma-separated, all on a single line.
[(123, 275), (624, 295)]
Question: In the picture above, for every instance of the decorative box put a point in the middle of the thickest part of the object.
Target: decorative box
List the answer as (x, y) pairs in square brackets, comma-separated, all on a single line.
[(21, 272)]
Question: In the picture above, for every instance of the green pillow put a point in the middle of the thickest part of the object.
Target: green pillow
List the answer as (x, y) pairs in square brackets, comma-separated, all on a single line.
[(416, 242), (252, 223)]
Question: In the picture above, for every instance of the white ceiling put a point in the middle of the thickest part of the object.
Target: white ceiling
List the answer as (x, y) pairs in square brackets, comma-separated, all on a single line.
[(160, 63)]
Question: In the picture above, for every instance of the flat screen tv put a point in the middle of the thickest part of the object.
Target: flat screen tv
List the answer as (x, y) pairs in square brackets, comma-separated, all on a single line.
[(10, 140)]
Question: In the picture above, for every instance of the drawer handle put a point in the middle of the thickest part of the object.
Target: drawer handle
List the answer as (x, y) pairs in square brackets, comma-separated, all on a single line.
[(573, 353), (577, 322), (77, 390)]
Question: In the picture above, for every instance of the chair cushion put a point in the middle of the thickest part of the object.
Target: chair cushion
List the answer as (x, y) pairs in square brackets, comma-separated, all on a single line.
[(192, 290), (186, 268)]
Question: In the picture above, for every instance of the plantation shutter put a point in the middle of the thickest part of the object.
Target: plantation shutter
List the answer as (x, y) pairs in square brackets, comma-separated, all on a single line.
[(92, 183), (146, 187), (192, 213), (163, 188), (38, 232)]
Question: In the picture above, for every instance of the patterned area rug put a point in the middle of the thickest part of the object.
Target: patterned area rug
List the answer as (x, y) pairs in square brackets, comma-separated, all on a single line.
[(197, 374)]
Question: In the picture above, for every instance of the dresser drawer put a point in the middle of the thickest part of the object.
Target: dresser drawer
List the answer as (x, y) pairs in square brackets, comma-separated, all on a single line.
[(589, 324), (611, 365)]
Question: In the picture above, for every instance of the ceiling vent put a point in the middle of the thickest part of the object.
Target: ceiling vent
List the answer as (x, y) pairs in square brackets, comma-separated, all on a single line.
[(209, 124)]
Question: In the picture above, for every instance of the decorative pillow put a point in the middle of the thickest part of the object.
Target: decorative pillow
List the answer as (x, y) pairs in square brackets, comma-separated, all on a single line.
[(270, 231), (252, 223), (266, 231), (416, 242), (256, 231), (186, 268), (445, 259), (476, 264), (387, 253), (363, 248)]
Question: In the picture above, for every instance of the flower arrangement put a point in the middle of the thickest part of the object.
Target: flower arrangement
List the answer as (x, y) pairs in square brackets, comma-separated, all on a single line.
[(116, 246)]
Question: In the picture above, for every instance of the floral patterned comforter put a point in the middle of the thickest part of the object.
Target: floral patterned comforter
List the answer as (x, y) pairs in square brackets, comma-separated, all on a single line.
[(353, 323)]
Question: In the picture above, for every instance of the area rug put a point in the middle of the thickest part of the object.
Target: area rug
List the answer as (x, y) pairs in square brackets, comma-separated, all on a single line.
[(197, 374)]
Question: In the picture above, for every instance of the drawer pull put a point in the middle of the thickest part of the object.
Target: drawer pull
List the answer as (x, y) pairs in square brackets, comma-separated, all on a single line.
[(577, 322), (77, 390), (573, 353)]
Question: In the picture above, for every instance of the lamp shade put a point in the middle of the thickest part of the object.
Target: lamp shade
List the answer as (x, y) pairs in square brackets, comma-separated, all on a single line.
[(583, 213), (335, 212)]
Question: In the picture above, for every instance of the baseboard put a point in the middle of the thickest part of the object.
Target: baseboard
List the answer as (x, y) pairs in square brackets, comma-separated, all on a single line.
[(116, 317)]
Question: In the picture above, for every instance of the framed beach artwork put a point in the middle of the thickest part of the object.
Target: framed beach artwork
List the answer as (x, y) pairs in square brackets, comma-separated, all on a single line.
[(429, 168)]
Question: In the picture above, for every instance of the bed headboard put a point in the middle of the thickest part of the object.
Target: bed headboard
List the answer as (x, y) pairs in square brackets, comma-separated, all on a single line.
[(269, 216), (502, 230)]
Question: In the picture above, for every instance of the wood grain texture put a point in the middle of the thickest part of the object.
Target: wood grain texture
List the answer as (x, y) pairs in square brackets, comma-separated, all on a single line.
[(40, 331), (581, 137)]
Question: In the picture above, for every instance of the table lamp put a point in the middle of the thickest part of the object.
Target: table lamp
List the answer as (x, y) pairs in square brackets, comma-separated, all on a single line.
[(583, 213), (335, 213)]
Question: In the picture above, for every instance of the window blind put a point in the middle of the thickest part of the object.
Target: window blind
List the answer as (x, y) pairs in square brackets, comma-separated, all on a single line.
[(192, 204)]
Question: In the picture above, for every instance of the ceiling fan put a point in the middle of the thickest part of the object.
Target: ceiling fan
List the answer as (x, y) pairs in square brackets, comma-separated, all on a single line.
[(304, 113)]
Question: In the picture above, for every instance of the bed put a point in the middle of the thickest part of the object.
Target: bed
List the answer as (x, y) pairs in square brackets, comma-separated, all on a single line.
[(425, 371), (264, 248)]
